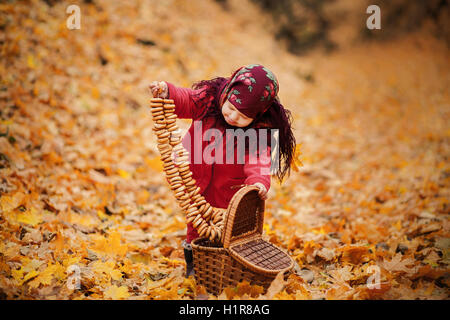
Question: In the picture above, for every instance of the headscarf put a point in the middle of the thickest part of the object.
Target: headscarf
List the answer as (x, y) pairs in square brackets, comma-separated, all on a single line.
[(252, 89)]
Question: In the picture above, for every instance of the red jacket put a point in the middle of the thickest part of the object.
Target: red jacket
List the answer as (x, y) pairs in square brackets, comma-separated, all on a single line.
[(217, 181)]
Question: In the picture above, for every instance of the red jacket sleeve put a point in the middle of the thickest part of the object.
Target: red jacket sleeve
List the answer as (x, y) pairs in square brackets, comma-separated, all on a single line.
[(184, 102), (257, 168)]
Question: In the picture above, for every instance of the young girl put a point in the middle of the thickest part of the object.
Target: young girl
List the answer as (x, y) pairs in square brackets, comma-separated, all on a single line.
[(247, 99)]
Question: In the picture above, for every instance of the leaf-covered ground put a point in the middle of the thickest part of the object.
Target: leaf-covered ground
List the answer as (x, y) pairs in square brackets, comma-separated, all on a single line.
[(82, 191)]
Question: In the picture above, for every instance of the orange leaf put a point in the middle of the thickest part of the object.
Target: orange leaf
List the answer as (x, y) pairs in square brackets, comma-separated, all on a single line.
[(354, 254)]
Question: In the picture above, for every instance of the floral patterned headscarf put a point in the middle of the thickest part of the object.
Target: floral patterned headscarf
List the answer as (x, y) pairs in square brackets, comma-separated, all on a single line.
[(251, 89)]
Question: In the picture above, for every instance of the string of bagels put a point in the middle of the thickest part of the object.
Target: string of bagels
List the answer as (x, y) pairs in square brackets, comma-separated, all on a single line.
[(206, 219)]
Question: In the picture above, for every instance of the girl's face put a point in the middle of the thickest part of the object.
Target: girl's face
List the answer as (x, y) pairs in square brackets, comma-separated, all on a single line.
[(233, 116)]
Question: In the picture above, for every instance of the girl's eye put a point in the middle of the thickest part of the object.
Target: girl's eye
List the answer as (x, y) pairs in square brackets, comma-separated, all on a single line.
[(233, 109)]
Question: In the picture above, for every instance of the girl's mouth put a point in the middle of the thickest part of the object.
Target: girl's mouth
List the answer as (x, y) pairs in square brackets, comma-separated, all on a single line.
[(231, 122)]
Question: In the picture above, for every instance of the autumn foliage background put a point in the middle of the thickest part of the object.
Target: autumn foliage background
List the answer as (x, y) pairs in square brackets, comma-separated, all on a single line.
[(81, 182)]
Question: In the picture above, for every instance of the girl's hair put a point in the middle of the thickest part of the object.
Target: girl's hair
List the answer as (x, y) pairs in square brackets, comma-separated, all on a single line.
[(280, 118), (276, 117)]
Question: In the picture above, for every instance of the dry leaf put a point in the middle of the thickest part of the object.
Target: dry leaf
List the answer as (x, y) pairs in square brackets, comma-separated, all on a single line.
[(397, 264), (275, 287), (117, 293)]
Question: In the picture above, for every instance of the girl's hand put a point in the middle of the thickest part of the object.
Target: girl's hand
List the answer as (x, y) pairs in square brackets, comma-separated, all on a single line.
[(262, 190), (159, 89)]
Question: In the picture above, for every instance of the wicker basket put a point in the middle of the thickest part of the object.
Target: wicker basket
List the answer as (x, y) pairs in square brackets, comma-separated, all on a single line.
[(244, 255)]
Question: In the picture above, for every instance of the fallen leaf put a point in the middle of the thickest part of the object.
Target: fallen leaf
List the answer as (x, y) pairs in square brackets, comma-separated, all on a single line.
[(117, 293), (397, 264), (275, 287)]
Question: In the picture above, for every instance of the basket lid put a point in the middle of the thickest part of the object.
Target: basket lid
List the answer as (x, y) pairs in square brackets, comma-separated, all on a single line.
[(243, 235), (245, 216), (262, 256)]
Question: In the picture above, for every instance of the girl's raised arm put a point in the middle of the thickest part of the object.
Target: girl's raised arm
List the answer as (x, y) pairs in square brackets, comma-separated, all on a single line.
[(184, 102)]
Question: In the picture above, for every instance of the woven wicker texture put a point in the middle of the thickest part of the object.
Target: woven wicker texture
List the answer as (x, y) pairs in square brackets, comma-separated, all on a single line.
[(215, 269), (262, 255), (245, 216)]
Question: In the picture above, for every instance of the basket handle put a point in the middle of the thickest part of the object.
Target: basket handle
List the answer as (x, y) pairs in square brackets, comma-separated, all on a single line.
[(206, 219), (232, 211)]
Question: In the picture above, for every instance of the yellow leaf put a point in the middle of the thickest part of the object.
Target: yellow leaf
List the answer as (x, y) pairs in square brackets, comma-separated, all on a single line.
[(321, 231), (8, 203), (28, 267), (123, 174), (30, 264), (31, 62), (126, 266), (83, 220), (117, 293), (29, 217), (59, 242), (267, 229), (116, 275), (45, 277), (70, 261), (95, 93), (251, 290), (101, 215), (297, 162), (59, 271), (173, 262), (110, 245), (30, 275), (154, 163), (108, 269), (168, 210), (17, 274), (165, 294), (7, 122), (115, 244), (402, 190), (173, 225), (158, 283)]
